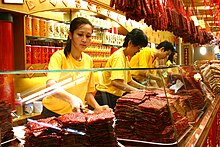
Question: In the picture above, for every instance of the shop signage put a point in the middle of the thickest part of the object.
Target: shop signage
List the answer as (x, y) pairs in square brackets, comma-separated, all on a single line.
[(13, 1)]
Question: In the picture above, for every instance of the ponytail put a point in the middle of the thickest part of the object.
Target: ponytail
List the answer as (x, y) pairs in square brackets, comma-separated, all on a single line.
[(67, 49)]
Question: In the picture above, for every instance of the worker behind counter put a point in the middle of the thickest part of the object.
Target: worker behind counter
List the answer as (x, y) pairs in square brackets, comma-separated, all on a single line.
[(173, 72), (147, 58), (115, 83), (172, 61), (72, 96)]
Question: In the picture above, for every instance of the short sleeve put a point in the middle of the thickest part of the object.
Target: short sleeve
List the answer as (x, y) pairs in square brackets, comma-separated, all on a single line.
[(55, 64), (118, 62), (91, 85)]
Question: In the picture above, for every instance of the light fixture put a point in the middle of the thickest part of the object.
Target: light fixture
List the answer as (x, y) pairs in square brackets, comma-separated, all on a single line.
[(203, 50), (194, 18), (216, 49)]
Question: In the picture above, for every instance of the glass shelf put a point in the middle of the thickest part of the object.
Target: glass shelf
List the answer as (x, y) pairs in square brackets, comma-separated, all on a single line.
[(44, 38)]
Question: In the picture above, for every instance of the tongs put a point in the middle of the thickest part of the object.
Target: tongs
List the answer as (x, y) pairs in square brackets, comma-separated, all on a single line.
[(57, 128)]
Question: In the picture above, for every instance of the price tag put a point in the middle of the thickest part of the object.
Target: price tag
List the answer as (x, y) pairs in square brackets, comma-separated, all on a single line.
[(176, 86)]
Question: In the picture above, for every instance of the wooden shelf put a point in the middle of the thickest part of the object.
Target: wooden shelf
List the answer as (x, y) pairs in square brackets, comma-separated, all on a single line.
[(22, 119), (44, 38)]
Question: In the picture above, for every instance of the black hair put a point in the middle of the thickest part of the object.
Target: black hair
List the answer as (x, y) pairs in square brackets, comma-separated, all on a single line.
[(75, 24), (167, 46), (137, 37), (170, 57)]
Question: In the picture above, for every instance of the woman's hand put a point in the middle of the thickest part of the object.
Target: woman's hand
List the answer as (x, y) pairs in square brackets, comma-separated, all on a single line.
[(102, 108), (76, 104)]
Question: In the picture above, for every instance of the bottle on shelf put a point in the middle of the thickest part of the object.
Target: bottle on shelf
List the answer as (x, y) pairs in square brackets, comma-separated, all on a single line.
[(18, 105)]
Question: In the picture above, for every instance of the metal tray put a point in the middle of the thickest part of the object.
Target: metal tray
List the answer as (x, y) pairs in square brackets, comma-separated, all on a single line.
[(158, 143)]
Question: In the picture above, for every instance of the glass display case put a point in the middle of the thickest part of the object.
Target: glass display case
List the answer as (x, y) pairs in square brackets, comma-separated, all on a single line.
[(175, 113)]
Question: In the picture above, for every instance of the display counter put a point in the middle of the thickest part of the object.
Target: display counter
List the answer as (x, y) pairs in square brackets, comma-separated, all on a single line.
[(171, 115), (200, 131)]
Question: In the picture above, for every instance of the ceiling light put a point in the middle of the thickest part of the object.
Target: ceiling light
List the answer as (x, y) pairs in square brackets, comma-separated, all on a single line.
[(216, 49), (203, 50), (196, 22)]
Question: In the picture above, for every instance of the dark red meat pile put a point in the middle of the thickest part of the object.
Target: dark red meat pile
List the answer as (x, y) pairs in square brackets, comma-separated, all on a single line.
[(97, 126), (146, 116), (100, 129), (211, 74), (5, 122)]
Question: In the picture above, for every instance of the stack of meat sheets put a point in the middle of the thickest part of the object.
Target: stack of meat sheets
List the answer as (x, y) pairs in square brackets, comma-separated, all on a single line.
[(97, 129), (147, 116)]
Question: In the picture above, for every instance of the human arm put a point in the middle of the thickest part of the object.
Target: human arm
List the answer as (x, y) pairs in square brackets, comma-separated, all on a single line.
[(147, 75), (93, 103), (123, 86), (159, 80), (136, 84), (75, 102)]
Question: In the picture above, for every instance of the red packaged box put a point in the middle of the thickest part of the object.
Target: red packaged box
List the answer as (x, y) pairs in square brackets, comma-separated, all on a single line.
[(35, 54), (28, 54), (44, 54)]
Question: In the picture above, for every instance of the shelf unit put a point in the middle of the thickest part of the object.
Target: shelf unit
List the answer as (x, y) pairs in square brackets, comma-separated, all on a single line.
[(99, 56)]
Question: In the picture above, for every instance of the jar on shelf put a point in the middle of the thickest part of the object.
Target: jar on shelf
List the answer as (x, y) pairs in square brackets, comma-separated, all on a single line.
[(43, 32), (28, 25), (35, 26), (67, 28), (57, 30), (62, 30), (50, 29)]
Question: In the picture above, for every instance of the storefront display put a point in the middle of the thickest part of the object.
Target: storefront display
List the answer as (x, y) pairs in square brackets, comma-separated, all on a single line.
[(171, 116), (178, 114)]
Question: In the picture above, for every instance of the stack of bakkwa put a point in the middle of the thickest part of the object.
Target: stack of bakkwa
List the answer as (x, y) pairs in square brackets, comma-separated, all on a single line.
[(38, 136), (150, 118), (196, 99), (94, 129), (100, 129), (211, 73), (124, 112), (75, 121), (5, 122)]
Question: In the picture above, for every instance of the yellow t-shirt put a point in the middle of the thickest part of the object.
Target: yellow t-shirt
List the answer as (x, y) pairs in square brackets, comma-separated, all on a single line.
[(116, 60), (84, 81), (144, 59)]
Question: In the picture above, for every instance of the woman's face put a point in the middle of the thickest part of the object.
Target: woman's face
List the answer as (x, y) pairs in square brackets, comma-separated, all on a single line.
[(81, 37), (175, 56), (163, 55), (133, 49)]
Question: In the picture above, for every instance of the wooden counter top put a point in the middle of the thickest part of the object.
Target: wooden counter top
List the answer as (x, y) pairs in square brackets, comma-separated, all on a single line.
[(22, 119)]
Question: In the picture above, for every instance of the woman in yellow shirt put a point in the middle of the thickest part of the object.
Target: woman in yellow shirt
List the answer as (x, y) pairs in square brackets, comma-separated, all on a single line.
[(80, 85), (173, 71), (116, 82), (147, 58), (172, 61)]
